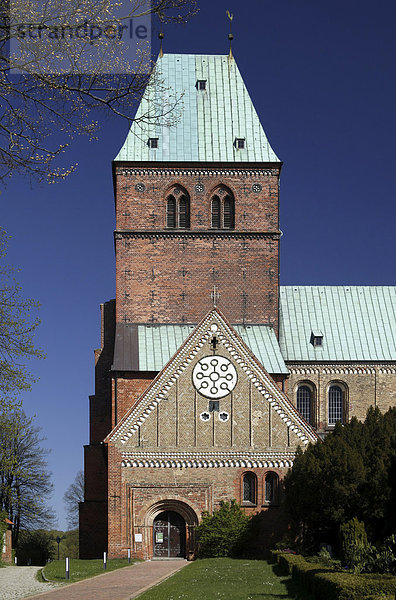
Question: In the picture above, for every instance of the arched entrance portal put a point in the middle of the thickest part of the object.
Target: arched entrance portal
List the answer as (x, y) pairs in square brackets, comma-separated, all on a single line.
[(169, 532), (174, 518)]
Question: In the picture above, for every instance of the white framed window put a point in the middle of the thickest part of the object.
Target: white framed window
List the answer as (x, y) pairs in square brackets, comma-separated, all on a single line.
[(336, 397)]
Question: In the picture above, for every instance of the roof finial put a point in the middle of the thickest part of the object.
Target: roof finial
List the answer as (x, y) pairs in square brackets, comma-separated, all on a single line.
[(230, 36), (161, 37), (161, 33)]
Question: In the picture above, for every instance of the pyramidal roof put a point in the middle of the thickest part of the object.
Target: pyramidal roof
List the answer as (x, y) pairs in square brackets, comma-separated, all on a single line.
[(195, 124)]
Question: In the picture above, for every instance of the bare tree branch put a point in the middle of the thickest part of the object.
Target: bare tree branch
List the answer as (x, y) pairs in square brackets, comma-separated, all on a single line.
[(68, 60), (73, 495)]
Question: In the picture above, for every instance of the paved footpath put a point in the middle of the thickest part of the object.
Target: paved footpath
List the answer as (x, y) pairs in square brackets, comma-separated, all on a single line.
[(122, 584)]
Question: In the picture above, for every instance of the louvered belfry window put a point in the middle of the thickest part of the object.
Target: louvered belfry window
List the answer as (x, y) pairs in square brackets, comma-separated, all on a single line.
[(304, 402), (336, 405), (178, 209), (223, 211), (216, 212), (183, 212), (228, 213), (171, 212)]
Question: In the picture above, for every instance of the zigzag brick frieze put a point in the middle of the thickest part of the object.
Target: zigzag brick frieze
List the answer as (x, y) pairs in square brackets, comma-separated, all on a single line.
[(119, 235), (196, 172), (342, 369), (208, 460)]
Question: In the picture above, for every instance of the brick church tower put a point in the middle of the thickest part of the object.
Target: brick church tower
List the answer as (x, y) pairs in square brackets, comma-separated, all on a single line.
[(197, 203), (197, 276)]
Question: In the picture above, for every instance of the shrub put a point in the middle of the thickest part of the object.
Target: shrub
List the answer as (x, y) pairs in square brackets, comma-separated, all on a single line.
[(354, 544), (223, 533), (382, 559), (329, 584)]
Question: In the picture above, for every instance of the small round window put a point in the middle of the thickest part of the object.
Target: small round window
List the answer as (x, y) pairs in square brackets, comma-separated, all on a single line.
[(224, 416), (205, 416)]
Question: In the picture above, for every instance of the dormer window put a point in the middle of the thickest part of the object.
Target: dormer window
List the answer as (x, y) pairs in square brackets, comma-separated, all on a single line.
[(153, 142), (239, 143), (316, 339), (201, 84)]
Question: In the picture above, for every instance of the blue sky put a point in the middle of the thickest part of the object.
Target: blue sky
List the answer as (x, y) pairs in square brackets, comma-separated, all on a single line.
[(322, 78)]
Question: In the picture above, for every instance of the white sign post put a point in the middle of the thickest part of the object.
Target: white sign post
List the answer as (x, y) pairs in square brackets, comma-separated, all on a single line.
[(67, 569), (104, 560)]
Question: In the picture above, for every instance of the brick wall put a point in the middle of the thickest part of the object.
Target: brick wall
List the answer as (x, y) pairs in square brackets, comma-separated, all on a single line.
[(92, 529), (126, 389), (176, 421), (136, 493), (167, 275), (365, 385), (198, 490), (100, 408), (6, 546)]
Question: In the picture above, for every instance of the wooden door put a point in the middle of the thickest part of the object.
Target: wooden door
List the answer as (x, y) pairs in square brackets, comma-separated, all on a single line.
[(169, 535)]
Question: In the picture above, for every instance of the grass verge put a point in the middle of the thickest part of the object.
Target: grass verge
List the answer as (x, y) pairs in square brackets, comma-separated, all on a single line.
[(218, 578), (80, 569)]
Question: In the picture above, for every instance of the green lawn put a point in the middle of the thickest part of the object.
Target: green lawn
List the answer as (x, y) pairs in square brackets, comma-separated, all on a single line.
[(81, 569), (231, 579)]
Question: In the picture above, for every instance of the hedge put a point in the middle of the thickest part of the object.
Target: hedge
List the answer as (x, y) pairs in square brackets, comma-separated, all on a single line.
[(327, 584)]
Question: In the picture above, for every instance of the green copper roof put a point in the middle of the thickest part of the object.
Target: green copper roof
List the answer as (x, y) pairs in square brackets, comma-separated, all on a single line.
[(205, 123), (150, 347), (262, 341), (157, 344), (357, 323)]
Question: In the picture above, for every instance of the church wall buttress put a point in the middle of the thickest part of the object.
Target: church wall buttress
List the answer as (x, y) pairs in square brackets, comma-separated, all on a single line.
[(126, 389), (100, 403)]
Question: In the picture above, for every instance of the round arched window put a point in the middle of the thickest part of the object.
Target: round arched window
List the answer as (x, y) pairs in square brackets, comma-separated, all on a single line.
[(336, 404), (304, 402), (249, 488)]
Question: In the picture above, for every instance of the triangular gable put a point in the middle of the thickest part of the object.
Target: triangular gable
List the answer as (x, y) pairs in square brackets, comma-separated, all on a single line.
[(213, 324)]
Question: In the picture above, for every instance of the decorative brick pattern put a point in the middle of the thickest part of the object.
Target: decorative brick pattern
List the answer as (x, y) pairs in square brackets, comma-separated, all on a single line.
[(167, 275), (365, 385)]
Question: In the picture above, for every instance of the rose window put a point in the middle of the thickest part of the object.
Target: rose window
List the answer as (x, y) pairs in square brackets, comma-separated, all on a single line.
[(214, 376)]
